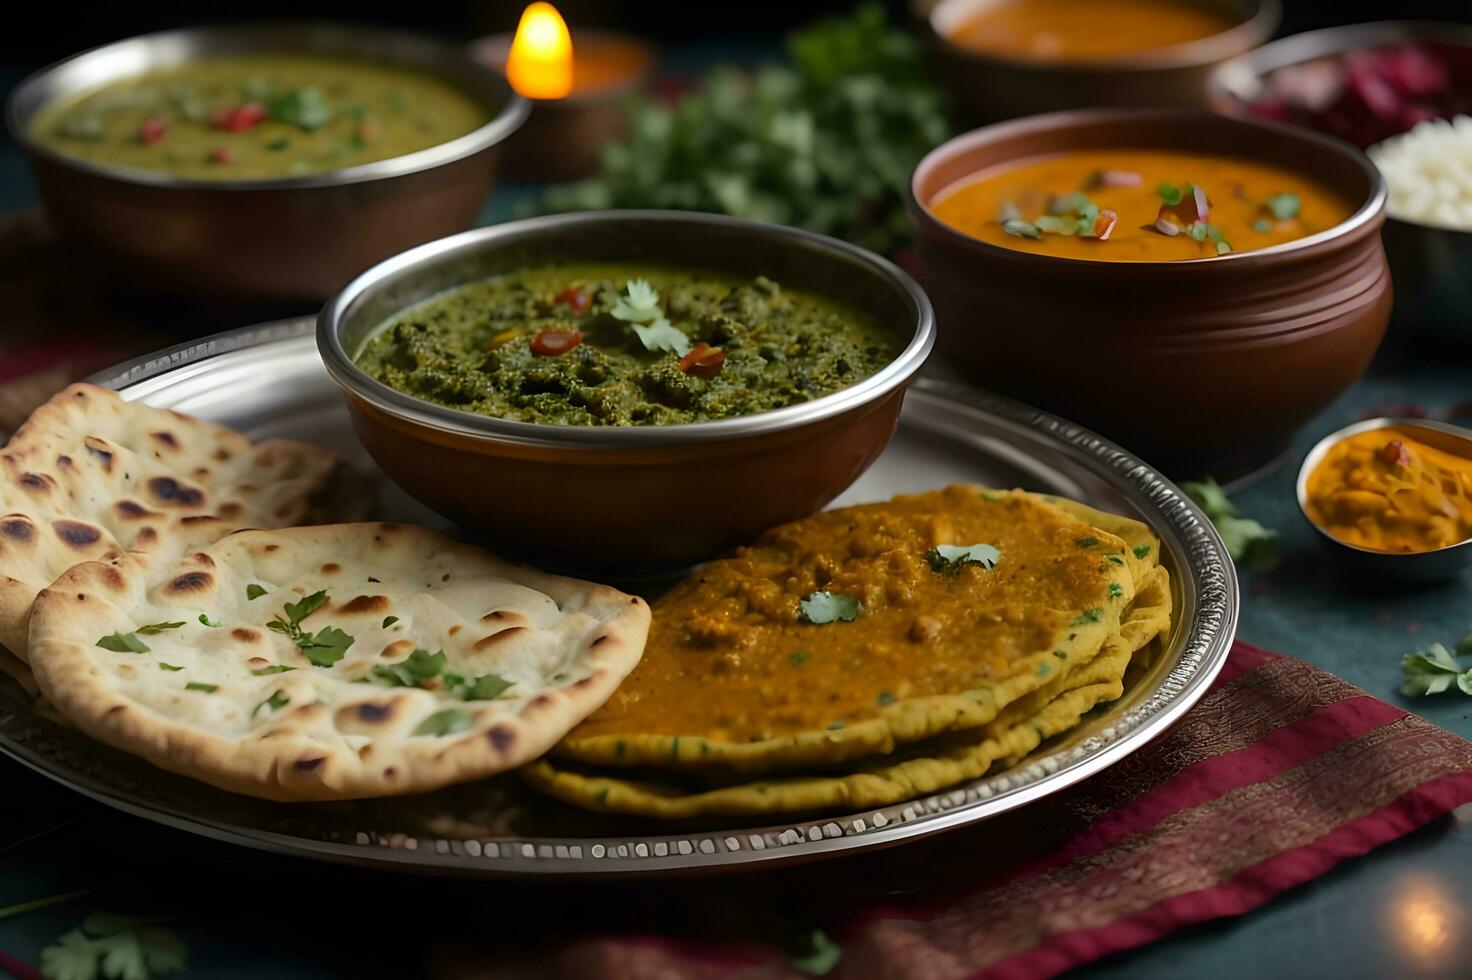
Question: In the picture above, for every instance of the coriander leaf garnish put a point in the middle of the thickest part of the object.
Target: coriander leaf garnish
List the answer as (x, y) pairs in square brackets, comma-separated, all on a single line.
[(1088, 616), (169, 667), (275, 703), (117, 947), (306, 108), (820, 608), (1115, 590), (819, 957), (1170, 193), (799, 658), (300, 610), (1246, 540), (389, 621), (947, 559), (639, 308), (152, 628), (199, 686), (446, 722), (1141, 550), (421, 665), (1432, 671), (123, 643), (209, 622), (254, 591), (884, 698), (273, 669), (1284, 207), (1088, 542), (1115, 559), (1018, 228), (1262, 226), (325, 647), (486, 687)]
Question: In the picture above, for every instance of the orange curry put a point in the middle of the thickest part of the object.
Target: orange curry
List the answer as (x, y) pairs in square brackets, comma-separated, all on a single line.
[(730, 656), (1087, 30), (1137, 205), (1391, 490)]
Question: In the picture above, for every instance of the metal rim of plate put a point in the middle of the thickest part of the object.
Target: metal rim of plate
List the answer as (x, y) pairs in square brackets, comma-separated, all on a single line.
[(1198, 651)]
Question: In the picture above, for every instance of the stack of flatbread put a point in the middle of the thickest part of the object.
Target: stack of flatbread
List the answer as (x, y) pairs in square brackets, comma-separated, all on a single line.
[(288, 662), (869, 655)]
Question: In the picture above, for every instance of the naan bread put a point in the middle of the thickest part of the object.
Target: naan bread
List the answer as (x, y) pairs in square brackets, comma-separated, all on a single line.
[(914, 770), (91, 476), (472, 665), (732, 680)]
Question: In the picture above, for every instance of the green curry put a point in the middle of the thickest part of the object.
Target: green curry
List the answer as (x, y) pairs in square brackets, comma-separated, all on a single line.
[(624, 345), (259, 117)]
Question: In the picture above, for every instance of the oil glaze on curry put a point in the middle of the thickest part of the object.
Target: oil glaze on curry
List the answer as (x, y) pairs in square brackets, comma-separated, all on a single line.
[(730, 657), (1087, 30), (1139, 205)]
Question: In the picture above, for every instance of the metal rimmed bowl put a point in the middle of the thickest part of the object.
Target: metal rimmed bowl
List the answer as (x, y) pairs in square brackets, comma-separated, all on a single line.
[(639, 497), (286, 239), (1430, 263), (990, 87), (1412, 568)]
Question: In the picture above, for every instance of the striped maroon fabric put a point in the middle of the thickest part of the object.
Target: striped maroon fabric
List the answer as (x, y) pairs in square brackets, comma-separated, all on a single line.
[(1282, 771)]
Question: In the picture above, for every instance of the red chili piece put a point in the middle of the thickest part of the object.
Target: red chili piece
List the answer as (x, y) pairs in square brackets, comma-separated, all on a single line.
[(574, 298), (152, 130), (1104, 224), (219, 155), (553, 342), (240, 118), (1396, 454), (703, 361)]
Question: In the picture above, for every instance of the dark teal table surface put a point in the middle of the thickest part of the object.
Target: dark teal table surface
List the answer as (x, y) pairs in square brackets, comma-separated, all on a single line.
[(1404, 911)]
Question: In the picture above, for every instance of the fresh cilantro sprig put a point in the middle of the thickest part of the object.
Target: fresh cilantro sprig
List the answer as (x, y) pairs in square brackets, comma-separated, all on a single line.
[(947, 559), (825, 140), (115, 947), (323, 648), (639, 308), (421, 666), (1434, 670), (1247, 541)]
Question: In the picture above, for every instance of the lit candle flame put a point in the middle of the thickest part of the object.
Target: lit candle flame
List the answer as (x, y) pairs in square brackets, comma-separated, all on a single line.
[(540, 63)]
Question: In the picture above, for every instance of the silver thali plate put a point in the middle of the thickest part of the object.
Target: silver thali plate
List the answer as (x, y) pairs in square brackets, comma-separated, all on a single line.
[(267, 381)]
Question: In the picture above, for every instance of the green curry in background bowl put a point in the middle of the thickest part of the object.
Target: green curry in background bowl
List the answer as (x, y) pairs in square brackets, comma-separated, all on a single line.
[(625, 345), (259, 117)]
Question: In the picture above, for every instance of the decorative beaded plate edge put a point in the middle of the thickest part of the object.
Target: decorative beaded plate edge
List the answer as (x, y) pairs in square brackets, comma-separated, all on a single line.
[(1197, 653)]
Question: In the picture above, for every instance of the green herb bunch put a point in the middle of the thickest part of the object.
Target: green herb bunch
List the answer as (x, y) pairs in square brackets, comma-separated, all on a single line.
[(825, 141)]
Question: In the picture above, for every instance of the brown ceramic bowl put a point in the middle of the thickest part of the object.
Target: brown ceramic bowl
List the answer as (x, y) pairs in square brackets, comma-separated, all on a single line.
[(988, 87), (1432, 264), (628, 498), (282, 240), (1205, 366)]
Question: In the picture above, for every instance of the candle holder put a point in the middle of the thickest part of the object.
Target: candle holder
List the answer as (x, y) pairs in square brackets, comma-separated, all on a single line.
[(563, 139)]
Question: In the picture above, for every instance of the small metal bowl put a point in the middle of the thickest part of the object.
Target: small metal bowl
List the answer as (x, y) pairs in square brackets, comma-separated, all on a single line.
[(279, 240), (1430, 263), (637, 498), (1416, 568)]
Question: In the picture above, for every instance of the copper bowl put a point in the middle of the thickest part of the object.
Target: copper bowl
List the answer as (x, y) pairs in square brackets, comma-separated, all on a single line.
[(280, 240), (989, 87), (1205, 366), (627, 499), (1432, 264)]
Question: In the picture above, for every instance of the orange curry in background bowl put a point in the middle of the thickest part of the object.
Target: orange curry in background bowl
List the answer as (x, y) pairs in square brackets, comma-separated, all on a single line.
[(1402, 489), (1140, 205), (1087, 30)]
